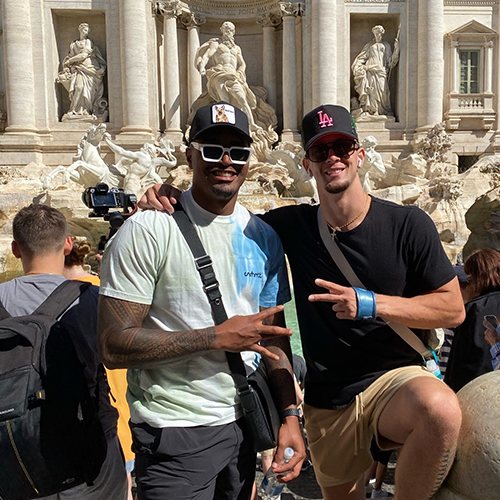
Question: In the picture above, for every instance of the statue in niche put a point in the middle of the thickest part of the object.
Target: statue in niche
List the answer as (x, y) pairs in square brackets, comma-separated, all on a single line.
[(83, 77), (222, 62), (372, 70)]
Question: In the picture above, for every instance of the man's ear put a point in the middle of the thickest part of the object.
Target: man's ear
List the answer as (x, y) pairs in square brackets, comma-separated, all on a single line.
[(361, 157), (305, 164), (188, 156), (68, 245), (15, 249)]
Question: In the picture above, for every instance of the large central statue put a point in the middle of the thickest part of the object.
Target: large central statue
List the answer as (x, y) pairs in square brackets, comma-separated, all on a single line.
[(226, 79), (372, 69), (221, 60)]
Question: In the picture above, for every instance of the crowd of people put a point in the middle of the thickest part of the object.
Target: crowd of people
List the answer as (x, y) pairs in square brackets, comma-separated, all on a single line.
[(361, 323)]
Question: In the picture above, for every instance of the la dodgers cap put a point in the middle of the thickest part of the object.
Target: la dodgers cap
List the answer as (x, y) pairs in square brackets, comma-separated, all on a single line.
[(220, 114), (327, 119)]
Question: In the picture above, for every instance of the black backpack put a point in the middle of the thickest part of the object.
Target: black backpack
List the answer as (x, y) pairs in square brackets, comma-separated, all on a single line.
[(51, 438)]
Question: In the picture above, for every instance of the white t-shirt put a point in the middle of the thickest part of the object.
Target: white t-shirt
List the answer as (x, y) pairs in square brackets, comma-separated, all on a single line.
[(149, 262)]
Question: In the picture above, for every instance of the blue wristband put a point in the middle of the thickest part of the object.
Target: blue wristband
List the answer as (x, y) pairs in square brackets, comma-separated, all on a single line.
[(367, 305)]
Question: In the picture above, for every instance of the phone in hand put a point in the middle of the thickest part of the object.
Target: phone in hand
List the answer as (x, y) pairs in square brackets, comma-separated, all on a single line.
[(492, 320)]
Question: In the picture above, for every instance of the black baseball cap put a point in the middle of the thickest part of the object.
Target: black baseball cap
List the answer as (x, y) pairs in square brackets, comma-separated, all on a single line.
[(220, 114), (327, 119)]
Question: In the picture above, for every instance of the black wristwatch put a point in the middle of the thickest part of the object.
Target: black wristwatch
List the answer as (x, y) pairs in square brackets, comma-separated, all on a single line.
[(291, 412)]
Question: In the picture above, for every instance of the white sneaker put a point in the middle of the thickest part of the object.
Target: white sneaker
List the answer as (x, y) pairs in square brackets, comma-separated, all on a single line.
[(379, 493)]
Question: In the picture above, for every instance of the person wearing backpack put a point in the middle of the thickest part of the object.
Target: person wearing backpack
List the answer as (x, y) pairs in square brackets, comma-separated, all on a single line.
[(47, 451)]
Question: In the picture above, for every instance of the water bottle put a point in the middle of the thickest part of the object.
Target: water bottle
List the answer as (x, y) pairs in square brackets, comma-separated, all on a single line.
[(432, 366), (271, 487)]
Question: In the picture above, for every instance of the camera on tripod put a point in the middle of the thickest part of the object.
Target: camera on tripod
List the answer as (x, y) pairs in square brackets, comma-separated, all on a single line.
[(101, 198)]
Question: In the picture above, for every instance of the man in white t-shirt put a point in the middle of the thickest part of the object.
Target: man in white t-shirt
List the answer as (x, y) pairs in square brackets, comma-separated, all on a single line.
[(155, 320)]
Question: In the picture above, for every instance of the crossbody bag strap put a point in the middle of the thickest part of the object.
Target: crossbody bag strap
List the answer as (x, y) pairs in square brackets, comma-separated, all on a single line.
[(343, 264), (205, 268)]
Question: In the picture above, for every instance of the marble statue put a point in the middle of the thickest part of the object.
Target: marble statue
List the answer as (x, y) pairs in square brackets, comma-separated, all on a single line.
[(373, 166), (371, 70), (226, 79), (88, 167), (221, 60), (82, 76), (135, 171), (436, 144), (139, 168)]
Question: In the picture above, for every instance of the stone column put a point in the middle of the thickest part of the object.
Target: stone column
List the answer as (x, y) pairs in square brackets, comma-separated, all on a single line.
[(135, 83), (19, 72), (430, 63), (488, 67), (496, 100), (170, 10), (455, 58), (269, 23), (290, 130), (324, 52), (307, 58), (192, 23)]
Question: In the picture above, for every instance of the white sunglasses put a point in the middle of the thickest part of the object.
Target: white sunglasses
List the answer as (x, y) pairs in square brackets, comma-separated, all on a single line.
[(215, 152)]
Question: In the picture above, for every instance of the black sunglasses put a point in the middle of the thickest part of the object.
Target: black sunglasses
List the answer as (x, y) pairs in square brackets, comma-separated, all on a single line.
[(342, 149)]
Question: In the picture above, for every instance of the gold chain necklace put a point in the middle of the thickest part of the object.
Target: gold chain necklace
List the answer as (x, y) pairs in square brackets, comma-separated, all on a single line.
[(333, 230)]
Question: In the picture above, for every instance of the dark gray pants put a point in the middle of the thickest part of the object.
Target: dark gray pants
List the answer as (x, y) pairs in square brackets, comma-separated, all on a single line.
[(193, 463)]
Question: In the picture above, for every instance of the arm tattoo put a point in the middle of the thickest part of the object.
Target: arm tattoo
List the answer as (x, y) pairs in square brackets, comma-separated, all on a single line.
[(444, 468), (125, 344)]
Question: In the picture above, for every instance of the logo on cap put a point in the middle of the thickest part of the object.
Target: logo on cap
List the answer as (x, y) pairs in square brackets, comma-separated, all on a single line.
[(223, 113), (325, 120)]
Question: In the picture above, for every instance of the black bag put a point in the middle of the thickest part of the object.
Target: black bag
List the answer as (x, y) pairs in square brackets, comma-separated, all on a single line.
[(51, 438), (261, 416), (259, 410)]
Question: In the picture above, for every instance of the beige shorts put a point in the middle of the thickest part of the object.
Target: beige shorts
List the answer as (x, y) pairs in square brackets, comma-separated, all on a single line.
[(339, 440)]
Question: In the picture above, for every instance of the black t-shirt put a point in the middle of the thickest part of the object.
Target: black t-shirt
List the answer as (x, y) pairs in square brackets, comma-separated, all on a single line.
[(470, 354), (395, 251)]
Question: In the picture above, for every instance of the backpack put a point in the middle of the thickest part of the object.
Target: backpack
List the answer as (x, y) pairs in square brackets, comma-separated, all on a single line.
[(51, 438)]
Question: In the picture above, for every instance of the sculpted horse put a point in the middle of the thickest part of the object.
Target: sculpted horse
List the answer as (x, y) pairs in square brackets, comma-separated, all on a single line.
[(88, 167)]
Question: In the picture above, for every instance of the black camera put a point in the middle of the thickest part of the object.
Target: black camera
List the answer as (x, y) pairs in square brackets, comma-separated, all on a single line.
[(101, 198)]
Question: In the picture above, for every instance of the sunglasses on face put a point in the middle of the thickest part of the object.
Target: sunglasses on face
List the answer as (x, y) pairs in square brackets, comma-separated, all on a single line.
[(341, 149), (215, 152)]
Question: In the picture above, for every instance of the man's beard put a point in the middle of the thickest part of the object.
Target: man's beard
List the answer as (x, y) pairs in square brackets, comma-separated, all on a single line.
[(338, 188), (224, 194)]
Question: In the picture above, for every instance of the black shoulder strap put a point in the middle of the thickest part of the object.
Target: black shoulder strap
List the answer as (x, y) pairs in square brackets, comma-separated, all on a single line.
[(3, 312), (204, 266), (61, 298)]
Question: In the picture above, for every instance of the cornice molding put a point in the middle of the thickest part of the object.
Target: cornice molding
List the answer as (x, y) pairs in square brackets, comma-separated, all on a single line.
[(470, 3), (232, 9), (374, 1)]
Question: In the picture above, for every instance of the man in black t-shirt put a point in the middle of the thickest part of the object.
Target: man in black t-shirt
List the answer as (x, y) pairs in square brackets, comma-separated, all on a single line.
[(362, 378)]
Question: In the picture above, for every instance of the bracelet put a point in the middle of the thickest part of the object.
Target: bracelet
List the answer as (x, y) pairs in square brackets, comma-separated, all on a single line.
[(291, 412), (367, 305)]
